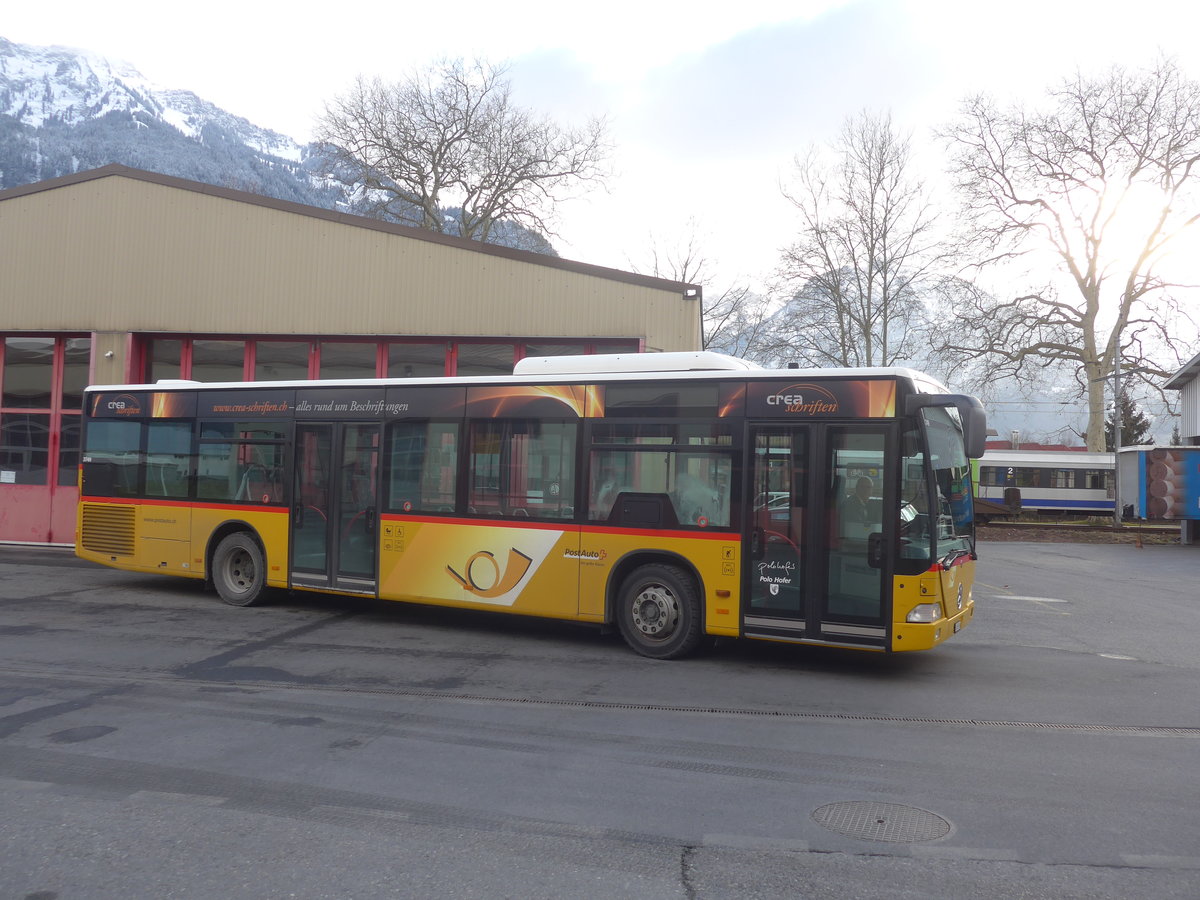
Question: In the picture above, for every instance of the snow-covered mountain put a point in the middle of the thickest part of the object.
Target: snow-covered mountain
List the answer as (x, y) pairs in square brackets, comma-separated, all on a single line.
[(64, 111), (39, 85)]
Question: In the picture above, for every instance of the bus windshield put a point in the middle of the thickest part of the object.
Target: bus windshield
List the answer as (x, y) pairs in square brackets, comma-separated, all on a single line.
[(955, 526), (936, 518)]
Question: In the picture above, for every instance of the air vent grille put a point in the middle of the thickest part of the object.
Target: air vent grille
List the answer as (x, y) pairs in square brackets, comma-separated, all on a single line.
[(108, 529)]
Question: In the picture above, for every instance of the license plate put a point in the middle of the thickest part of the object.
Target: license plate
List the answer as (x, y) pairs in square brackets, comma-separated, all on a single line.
[(957, 627)]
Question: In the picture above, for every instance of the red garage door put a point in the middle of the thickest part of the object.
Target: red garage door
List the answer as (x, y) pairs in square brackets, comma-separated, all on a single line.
[(41, 388)]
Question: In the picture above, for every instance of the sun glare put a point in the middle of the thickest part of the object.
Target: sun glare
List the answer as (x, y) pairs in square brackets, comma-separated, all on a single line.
[(1135, 216)]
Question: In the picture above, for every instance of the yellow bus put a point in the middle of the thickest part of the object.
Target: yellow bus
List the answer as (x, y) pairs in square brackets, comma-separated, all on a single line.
[(675, 496)]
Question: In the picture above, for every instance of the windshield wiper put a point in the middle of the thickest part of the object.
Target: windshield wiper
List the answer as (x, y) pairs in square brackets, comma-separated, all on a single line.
[(954, 556)]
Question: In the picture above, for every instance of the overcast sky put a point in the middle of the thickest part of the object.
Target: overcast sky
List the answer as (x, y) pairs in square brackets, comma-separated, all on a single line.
[(707, 109)]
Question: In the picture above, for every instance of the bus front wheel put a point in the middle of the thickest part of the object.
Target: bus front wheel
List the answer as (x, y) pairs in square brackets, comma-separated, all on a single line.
[(239, 572), (659, 612)]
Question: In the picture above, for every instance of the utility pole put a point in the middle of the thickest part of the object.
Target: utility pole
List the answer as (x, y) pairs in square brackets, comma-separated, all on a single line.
[(1117, 439)]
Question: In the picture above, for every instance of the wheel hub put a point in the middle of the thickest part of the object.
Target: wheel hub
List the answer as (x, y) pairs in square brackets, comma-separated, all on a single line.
[(241, 570), (655, 612)]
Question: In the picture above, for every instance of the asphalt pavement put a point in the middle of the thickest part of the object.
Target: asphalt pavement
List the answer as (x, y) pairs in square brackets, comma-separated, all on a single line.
[(157, 743)]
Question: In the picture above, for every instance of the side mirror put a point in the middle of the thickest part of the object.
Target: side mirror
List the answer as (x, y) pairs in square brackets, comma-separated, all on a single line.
[(970, 411)]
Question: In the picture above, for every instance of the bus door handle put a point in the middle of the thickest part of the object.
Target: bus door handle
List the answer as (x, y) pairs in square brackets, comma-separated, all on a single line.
[(298, 515), (369, 514), (875, 550), (757, 544)]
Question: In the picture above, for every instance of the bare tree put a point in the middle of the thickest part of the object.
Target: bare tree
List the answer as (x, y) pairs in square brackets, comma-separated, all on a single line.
[(451, 136), (734, 319), (738, 321), (867, 245), (1103, 180)]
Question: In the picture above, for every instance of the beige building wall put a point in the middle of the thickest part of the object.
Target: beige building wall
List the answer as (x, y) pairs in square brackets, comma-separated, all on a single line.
[(117, 251), (109, 351)]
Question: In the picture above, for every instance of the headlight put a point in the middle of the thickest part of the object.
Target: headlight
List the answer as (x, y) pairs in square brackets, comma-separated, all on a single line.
[(926, 612)]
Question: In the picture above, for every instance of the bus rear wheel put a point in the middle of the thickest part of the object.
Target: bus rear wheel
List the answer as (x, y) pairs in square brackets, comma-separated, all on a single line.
[(239, 572), (659, 612)]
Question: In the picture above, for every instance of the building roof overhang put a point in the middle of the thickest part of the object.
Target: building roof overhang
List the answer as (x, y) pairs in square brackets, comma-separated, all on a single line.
[(1184, 376)]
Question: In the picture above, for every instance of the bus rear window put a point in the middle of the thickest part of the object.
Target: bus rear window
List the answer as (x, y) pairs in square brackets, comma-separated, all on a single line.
[(111, 458)]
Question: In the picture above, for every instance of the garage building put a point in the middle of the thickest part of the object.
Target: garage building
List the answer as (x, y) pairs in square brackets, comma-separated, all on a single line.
[(117, 275)]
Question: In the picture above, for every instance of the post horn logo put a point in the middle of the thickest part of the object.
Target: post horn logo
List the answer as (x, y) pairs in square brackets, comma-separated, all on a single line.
[(500, 582)]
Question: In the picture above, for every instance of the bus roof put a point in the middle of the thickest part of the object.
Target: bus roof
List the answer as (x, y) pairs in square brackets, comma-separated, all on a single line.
[(701, 366), (611, 363)]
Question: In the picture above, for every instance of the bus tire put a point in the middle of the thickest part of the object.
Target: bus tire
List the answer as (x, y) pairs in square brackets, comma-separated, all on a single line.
[(239, 571), (658, 612)]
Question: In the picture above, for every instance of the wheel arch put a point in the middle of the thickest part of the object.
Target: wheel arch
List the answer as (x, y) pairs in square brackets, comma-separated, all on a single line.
[(218, 534), (635, 559)]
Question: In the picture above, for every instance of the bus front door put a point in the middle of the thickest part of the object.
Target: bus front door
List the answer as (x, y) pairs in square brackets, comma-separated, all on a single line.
[(334, 507), (816, 545)]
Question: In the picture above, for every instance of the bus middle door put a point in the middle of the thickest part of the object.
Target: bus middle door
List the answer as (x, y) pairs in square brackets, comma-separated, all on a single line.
[(335, 507)]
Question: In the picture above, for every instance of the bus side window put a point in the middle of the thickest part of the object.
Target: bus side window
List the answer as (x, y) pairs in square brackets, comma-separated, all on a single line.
[(695, 483), (240, 462), (603, 492), (522, 468), (169, 460), (423, 473)]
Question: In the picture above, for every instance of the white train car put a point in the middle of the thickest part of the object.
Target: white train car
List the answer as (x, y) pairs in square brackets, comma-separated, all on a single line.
[(1048, 482)]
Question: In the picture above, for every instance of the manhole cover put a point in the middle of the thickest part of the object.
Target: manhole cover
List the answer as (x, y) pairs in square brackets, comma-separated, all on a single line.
[(881, 821)]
